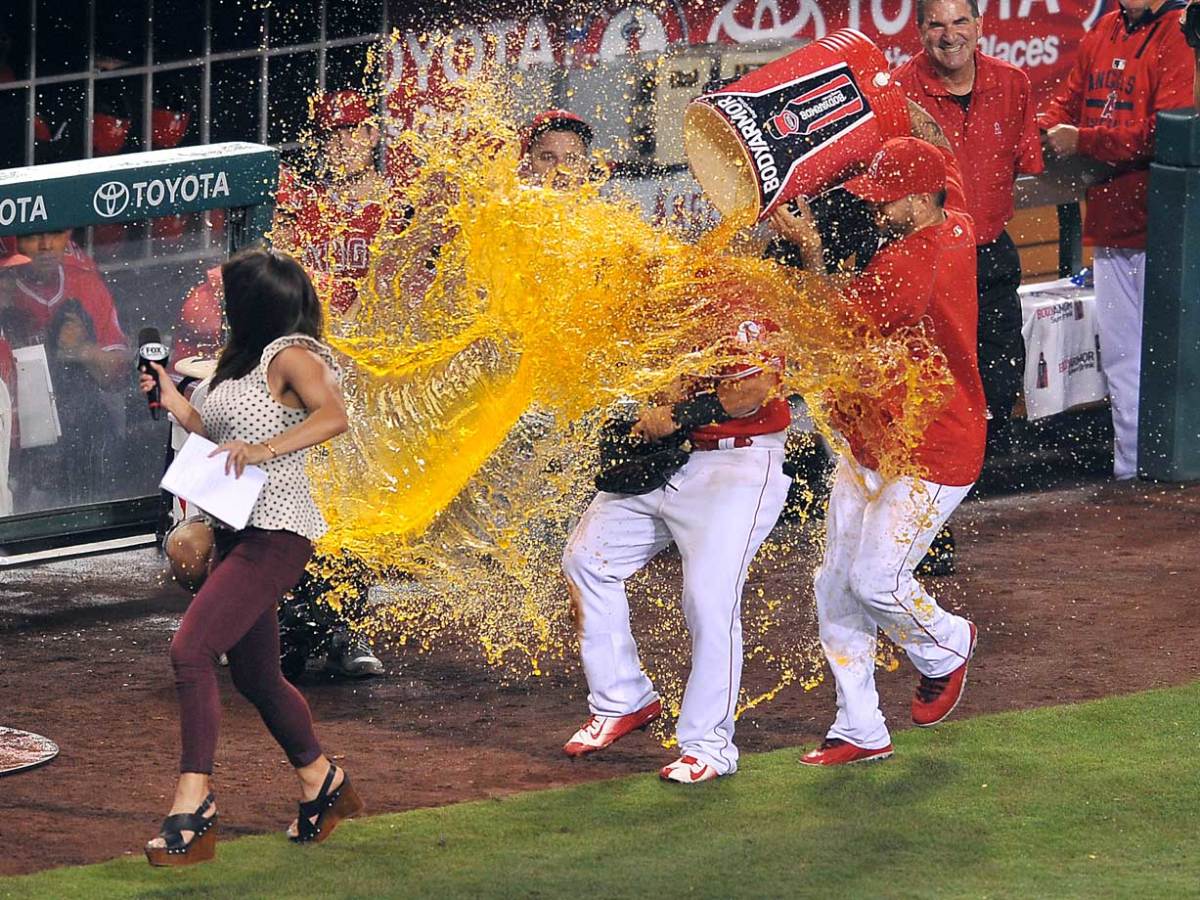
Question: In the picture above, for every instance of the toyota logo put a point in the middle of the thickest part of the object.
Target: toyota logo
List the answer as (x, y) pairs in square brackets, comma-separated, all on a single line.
[(111, 199)]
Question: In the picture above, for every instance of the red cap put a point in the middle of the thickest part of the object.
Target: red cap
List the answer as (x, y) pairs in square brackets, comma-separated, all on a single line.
[(341, 109), (903, 166), (546, 121)]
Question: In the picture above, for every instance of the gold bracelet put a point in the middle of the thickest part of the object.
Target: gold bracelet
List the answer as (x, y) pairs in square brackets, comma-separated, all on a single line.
[(274, 453)]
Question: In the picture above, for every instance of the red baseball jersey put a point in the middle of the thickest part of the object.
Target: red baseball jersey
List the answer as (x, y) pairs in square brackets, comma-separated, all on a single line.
[(774, 415), (76, 278), (928, 277), (995, 138), (338, 236), (1124, 74)]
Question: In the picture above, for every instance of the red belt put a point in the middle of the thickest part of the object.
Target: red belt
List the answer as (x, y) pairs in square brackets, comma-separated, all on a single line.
[(730, 443)]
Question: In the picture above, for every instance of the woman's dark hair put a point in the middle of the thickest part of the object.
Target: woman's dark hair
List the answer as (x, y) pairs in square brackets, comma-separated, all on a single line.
[(267, 295)]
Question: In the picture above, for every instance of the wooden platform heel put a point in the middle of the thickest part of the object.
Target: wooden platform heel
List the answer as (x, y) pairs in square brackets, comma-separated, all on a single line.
[(328, 808), (201, 847)]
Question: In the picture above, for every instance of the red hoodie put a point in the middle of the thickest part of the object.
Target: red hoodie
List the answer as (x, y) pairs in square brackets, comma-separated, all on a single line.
[(1123, 75)]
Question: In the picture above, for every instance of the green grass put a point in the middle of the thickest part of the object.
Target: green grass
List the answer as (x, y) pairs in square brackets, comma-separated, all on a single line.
[(1095, 800)]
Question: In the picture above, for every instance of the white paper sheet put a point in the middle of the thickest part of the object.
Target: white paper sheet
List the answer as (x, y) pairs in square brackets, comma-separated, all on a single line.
[(37, 412), (201, 481)]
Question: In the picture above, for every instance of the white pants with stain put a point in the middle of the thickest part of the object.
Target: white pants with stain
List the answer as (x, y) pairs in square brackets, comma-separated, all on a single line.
[(877, 532), (718, 509)]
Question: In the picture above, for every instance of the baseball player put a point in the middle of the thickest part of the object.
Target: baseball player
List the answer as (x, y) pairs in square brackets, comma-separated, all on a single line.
[(878, 528), (336, 227), (1134, 63), (556, 149), (350, 207), (59, 299), (717, 509), (60, 271)]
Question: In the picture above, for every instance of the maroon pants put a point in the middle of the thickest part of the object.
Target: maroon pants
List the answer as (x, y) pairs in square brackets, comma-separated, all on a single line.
[(235, 613)]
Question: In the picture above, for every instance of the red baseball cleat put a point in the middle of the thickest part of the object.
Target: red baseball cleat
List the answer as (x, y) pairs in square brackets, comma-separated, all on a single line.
[(687, 770), (836, 752), (936, 697), (600, 731)]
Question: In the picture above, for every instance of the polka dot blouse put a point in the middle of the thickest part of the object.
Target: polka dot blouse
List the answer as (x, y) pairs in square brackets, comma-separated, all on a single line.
[(243, 409)]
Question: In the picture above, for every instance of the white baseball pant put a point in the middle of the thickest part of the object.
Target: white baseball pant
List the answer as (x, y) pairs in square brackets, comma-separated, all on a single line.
[(718, 509), (877, 532), (1120, 276)]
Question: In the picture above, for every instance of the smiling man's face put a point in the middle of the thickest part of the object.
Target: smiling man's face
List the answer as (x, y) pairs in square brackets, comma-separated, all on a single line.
[(950, 33)]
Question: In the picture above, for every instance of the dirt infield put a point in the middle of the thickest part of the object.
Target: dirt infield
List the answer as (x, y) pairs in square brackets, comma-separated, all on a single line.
[(1079, 593)]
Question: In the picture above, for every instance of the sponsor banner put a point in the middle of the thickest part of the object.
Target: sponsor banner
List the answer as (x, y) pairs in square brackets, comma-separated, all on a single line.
[(136, 186), (1039, 36)]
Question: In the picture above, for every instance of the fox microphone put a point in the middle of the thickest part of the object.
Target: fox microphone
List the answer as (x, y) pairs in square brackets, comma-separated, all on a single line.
[(151, 349)]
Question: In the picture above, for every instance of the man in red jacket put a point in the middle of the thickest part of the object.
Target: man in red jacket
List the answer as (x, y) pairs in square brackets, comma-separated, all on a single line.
[(1132, 64), (984, 107), (878, 528), (717, 509)]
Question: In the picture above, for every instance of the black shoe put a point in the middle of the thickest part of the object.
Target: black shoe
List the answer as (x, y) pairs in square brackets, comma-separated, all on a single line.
[(200, 847), (350, 655)]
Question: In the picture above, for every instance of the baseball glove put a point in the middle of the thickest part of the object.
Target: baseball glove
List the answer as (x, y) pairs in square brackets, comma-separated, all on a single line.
[(631, 465)]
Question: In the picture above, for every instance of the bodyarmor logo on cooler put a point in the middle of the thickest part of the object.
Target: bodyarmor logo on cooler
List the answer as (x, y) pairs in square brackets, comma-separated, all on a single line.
[(814, 110), (113, 197), (742, 118), (21, 210)]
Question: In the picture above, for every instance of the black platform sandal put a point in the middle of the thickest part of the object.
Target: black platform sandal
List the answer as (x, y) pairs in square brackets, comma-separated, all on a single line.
[(200, 848), (328, 808)]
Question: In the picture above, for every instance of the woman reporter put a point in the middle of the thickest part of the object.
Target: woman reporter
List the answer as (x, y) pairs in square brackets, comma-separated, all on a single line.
[(275, 393)]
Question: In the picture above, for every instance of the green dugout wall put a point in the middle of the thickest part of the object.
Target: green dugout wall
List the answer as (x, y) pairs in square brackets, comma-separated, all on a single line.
[(1169, 412)]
